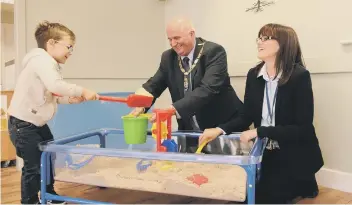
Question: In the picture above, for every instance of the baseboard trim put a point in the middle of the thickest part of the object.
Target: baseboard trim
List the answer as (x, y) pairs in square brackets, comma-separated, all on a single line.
[(335, 179)]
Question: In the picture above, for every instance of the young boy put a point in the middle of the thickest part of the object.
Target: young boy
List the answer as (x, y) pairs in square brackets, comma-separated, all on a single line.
[(33, 103)]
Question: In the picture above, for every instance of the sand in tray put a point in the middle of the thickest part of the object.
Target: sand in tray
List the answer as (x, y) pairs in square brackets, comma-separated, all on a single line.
[(216, 181)]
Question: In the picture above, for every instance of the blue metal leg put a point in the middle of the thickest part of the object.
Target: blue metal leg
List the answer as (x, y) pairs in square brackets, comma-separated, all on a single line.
[(43, 177), (74, 200), (47, 170), (258, 171), (102, 140), (251, 176)]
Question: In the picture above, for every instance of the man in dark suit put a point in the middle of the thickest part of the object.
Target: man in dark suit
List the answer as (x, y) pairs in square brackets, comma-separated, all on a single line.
[(196, 74)]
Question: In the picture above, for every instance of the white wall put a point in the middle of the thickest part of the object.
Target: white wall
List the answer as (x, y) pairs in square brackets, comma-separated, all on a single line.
[(109, 35), (7, 48), (8, 54), (228, 23), (220, 21)]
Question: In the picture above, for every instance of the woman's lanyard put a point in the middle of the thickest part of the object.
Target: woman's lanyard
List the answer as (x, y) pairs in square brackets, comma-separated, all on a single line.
[(270, 109)]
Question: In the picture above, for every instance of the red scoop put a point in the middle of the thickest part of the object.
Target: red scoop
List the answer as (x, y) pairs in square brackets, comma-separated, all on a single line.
[(132, 100)]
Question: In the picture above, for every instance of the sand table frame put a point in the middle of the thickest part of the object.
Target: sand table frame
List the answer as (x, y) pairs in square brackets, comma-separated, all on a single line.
[(229, 176)]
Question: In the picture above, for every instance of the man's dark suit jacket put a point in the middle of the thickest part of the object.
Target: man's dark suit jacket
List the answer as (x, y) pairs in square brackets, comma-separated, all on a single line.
[(213, 100), (294, 112)]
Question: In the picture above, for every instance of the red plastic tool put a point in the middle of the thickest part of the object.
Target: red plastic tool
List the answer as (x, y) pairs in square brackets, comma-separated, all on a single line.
[(132, 100)]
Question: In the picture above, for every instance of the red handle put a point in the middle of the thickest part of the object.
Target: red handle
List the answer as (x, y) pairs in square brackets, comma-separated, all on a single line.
[(113, 99), (105, 98), (131, 101)]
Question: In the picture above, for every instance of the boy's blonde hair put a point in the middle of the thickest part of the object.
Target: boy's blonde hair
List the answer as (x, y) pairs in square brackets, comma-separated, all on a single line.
[(46, 30)]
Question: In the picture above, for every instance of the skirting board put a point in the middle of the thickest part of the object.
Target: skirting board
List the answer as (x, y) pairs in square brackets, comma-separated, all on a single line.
[(335, 179)]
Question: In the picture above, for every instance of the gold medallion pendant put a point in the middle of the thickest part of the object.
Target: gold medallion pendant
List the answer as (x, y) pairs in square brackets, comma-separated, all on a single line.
[(185, 74), (185, 83)]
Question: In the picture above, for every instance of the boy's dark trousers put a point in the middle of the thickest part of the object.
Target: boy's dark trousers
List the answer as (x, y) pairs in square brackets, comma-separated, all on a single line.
[(25, 137)]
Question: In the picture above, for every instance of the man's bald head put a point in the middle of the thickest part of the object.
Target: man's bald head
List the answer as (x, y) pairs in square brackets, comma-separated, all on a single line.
[(181, 23), (181, 35)]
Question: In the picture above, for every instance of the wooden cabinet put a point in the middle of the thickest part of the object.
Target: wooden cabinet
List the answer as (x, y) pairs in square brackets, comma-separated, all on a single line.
[(8, 151)]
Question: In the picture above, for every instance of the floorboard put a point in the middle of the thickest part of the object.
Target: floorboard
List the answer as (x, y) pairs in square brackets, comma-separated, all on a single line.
[(11, 192)]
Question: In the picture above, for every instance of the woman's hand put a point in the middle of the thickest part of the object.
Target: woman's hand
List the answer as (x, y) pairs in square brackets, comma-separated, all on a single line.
[(209, 135), (248, 135)]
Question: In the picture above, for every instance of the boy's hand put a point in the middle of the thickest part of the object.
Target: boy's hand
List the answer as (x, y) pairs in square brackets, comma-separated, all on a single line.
[(75, 100), (89, 95)]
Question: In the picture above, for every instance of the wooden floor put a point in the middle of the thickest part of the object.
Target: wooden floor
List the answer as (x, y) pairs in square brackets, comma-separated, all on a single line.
[(10, 193)]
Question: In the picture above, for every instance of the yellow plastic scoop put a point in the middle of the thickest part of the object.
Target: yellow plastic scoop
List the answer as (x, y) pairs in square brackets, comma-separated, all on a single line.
[(201, 147)]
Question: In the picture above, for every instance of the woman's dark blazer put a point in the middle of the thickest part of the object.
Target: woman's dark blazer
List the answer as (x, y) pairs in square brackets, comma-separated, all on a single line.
[(294, 112)]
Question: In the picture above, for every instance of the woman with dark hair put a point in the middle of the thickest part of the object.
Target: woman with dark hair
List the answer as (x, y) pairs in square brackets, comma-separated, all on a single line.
[(279, 101)]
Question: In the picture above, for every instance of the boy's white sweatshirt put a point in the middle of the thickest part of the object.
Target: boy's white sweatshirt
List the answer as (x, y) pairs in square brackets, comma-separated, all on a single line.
[(33, 99)]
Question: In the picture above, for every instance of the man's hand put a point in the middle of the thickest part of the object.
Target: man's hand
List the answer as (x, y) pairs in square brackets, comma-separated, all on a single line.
[(75, 100), (248, 135), (89, 94), (140, 110), (152, 119), (209, 135), (137, 111)]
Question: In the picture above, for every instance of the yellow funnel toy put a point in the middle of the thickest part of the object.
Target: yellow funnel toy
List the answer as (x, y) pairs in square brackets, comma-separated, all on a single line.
[(164, 131)]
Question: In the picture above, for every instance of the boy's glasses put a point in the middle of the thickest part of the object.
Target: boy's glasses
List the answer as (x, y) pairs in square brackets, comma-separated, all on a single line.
[(69, 47)]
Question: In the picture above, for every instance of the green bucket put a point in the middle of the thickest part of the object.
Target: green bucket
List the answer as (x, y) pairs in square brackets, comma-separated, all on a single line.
[(135, 129)]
